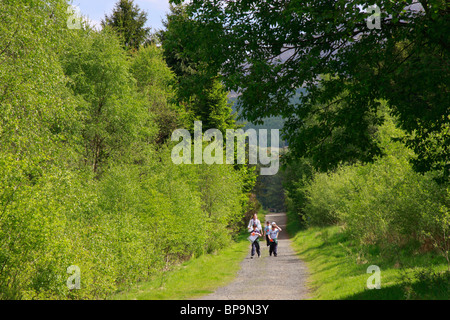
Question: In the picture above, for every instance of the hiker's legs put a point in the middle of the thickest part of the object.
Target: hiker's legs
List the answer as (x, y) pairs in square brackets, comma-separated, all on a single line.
[(271, 248), (255, 247), (275, 249), (267, 240), (258, 251)]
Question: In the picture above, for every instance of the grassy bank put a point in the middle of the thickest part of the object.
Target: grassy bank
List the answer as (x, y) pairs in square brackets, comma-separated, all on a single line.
[(192, 279), (338, 269)]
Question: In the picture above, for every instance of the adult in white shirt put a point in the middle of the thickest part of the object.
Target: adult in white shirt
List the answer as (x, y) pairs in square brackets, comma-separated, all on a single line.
[(273, 239), (254, 220)]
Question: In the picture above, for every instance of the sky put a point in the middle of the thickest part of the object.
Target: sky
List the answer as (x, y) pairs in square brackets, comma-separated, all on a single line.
[(95, 10)]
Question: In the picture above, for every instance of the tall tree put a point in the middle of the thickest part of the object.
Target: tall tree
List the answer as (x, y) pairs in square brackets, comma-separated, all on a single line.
[(129, 22), (114, 115), (200, 91), (156, 82)]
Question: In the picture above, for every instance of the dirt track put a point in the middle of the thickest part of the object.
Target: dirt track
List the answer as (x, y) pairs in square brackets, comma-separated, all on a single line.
[(268, 278)]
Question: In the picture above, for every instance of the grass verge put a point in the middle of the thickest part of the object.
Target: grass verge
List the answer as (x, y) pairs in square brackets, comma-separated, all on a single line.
[(338, 268), (194, 278)]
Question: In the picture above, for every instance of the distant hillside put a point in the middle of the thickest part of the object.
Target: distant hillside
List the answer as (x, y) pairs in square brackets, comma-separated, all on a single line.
[(269, 123)]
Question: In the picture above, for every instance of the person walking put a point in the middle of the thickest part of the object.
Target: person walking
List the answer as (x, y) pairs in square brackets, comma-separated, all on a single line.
[(267, 229), (254, 220), (273, 238), (254, 238)]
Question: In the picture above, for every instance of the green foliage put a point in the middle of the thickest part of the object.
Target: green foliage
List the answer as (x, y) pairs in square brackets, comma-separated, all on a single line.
[(266, 50), (296, 177), (157, 83), (128, 21), (382, 213), (212, 108), (385, 202), (86, 177), (201, 92), (431, 143), (114, 115), (270, 193)]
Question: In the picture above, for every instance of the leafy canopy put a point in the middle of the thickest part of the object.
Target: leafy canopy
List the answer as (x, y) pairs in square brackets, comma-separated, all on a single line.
[(268, 49), (202, 92)]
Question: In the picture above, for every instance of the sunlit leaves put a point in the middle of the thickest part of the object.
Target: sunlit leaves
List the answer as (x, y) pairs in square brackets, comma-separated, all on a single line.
[(268, 49)]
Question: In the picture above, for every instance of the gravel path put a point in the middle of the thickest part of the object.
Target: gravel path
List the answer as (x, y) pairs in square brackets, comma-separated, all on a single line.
[(268, 278)]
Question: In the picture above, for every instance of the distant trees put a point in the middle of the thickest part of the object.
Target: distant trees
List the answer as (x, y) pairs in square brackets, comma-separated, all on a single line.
[(270, 193)]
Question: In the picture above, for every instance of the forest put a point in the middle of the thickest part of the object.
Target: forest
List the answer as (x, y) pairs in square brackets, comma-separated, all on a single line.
[(85, 169), (87, 115)]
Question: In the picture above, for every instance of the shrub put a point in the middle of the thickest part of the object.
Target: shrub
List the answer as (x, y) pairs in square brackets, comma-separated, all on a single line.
[(384, 202)]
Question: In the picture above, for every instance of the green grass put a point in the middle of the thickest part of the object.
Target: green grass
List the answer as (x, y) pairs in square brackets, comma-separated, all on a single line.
[(338, 268), (192, 279)]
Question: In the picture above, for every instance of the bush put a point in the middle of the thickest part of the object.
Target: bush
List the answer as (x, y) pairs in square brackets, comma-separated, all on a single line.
[(384, 202)]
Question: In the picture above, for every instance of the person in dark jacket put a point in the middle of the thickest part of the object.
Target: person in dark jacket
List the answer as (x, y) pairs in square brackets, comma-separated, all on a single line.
[(254, 238), (267, 229)]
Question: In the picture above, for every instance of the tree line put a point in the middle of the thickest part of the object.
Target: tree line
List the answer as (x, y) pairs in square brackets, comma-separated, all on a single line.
[(86, 175)]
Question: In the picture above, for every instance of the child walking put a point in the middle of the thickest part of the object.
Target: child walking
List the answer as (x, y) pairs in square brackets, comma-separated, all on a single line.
[(255, 234), (273, 238), (267, 229)]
